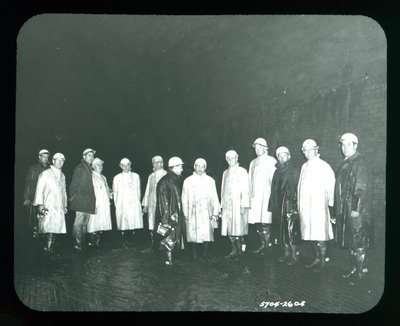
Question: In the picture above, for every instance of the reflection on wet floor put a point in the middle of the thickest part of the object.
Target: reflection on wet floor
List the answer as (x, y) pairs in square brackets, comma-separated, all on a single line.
[(134, 279)]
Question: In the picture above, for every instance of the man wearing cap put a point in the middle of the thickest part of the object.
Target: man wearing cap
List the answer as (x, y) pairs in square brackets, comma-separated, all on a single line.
[(51, 200), (261, 171), (128, 211), (101, 221), (82, 198), (169, 209), (234, 203), (315, 195), (352, 206), (201, 207), (149, 202), (283, 205), (30, 189)]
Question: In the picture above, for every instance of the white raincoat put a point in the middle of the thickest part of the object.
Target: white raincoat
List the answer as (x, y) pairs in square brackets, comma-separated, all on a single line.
[(315, 193), (101, 221), (150, 196), (234, 195), (51, 193), (128, 211), (199, 203), (261, 171)]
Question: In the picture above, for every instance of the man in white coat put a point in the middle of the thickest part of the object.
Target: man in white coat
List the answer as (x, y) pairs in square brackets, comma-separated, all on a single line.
[(200, 206), (234, 203), (149, 202), (128, 210), (51, 199), (315, 195), (261, 172)]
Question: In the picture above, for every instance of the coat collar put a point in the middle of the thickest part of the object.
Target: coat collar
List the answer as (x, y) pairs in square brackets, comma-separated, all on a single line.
[(353, 157)]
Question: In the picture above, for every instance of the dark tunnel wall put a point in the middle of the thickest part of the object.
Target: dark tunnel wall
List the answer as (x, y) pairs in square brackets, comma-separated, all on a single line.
[(198, 86)]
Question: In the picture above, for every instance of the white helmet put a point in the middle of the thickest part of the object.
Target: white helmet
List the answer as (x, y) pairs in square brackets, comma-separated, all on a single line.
[(260, 141), (349, 136), (173, 161), (282, 149), (309, 143)]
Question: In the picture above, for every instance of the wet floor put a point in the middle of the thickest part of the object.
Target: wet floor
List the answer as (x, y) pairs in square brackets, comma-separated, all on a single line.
[(134, 279)]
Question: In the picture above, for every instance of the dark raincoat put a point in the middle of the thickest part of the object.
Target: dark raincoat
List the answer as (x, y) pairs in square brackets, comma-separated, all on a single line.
[(168, 203), (353, 193), (283, 200), (81, 190)]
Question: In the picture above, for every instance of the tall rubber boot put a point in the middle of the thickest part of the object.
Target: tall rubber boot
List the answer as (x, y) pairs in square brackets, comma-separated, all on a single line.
[(266, 233), (194, 250), (361, 260), (151, 240), (317, 256), (323, 248), (234, 251), (261, 241), (293, 258), (205, 247), (353, 269), (97, 238), (124, 240), (50, 243), (168, 261), (286, 255)]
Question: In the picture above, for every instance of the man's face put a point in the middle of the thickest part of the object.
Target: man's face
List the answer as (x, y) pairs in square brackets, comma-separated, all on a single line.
[(283, 157), (177, 169), (44, 158), (89, 157), (348, 148), (58, 163), (260, 150), (310, 152), (231, 159), (157, 165), (126, 167), (200, 168), (98, 167)]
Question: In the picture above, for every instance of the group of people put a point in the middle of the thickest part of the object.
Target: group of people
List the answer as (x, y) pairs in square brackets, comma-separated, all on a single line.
[(284, 203)]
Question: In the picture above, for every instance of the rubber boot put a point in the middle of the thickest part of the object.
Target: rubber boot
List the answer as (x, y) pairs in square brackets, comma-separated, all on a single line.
[(235, 251), (317, 254), (97, 238), (205, 247), (194, 250), (168, 261), (323, 247), (49, 249), (124, 240), (261, 239), (266, 233), (353, 270), (286, 255), (361, 260), (293, 258)]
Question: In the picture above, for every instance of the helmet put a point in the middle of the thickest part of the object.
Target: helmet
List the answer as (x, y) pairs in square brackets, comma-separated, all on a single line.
[(260, 141), (309, 143), (349, 136), (282, 149), (173, 161)]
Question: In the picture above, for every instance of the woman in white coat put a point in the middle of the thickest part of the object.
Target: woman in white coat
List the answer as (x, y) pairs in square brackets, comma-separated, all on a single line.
[(51, 199), (101, 221), (128, 209), (200, 206), (315, 194)]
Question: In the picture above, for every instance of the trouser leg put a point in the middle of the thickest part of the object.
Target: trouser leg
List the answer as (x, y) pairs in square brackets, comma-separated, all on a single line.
[(124, 240), (293, 252), (79, 229), (194, 250), (50, 237), (286, 254), (235, 249), (323, 248), (261, 239), (361, 258), (266, 231), (205, 247)]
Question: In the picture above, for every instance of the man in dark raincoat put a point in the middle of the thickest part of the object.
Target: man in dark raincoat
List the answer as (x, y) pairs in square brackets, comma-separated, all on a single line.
[(352, 207), (169, 209), (283, 205), (82, 197), (30, 189)]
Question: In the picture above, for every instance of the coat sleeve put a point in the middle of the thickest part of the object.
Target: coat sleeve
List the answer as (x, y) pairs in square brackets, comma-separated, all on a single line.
[(64, 190), (185, 198), (273, 197), (244, 193), (145, 201), (162, 201), (222, 189), (214, 198), (138, 187), (77, 177), (28, 184), (115, 189), (330, 184), (40, 188), (360, 196)]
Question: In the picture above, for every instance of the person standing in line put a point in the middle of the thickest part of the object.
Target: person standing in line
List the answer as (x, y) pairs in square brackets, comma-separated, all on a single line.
[(128, 211), (315, 196), (353, 207), (200, 206), (283, 205), (149, 202), (51, 201), (82, 198), (261, 171), (169, 209), (30, 188), (101, 220), (234, 203)]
